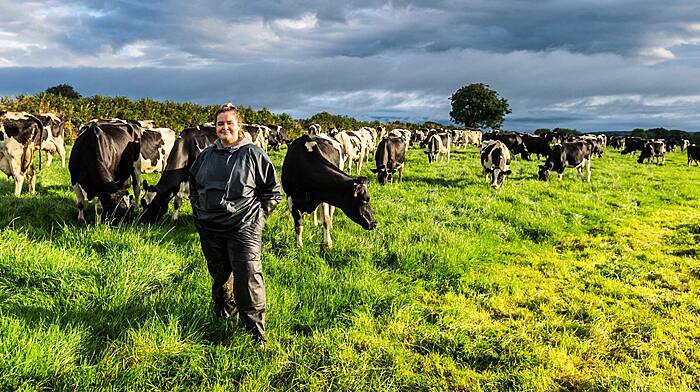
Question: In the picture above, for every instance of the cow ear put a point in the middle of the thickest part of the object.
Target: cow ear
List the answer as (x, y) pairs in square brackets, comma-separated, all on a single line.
[(507, 172), (362, 180), (550, 165), (145, 184), (374, 170)]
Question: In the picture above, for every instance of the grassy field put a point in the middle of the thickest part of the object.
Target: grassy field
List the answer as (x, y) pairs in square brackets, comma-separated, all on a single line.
[(536, 286)]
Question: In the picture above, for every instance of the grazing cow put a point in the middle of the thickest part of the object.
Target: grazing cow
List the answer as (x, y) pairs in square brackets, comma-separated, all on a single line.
[(156, 144), (684, 144), (633, 144), (354, 149), (390, 155), (174, 182), (513, 141), (537, 145), (310, 177), (277, 137), (369, 136), (439, 144), (20, 133), (53, 137), (102, 164), (693, 154), (596, 143), (495, 161), (617, 142), (419, 136), (473, 138), (259, 134), (568, 154), (653, 149)]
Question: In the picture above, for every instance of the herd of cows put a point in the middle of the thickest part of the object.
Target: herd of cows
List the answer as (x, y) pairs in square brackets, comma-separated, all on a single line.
[(109, 155)]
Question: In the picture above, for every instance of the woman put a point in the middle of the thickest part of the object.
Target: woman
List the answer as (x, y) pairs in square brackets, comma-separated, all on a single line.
[(233, 190)]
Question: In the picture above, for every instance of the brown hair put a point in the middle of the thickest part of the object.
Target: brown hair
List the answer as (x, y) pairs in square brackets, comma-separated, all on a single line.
[(229, 107)]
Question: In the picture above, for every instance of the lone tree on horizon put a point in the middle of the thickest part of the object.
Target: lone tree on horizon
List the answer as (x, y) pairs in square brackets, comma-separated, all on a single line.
[(477, 106), (63, 90)]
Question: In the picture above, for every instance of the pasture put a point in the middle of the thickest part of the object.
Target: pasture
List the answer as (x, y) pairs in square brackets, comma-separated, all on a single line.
[(535, 286)]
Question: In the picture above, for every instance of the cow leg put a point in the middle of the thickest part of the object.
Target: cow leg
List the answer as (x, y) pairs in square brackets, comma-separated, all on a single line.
[(182, 193), (61, 149), (49, 158), (588, 170), (579, 171), (298, 221), (80, 198), (327, 225), (31, 177), (19, 181), (401, 173), (136, 185), (98, 212), (314, 216), (560, 175)]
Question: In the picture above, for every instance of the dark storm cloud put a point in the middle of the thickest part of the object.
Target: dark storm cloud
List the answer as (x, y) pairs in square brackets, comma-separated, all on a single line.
[(366, 28), (584, 64)]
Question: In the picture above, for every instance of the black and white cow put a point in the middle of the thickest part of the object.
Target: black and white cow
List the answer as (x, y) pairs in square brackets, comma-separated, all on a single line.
[(693, 154), (102, 164), (20, 134), (277, 138), (53, 137), (495, 161), (389, 158), (310, 177), (653, 149), (156, 144), (514, 142), (174, 182), (439, 144), (568, 154)]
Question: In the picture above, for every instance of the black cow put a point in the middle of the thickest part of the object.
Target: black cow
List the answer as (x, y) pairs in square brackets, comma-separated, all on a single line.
[(513, 141), (20, 134), (102, 164), (653, 149), (693, 154), (633, 144), (310, 176), (175, 178), (568, 154), (389, 158), (536, 145)]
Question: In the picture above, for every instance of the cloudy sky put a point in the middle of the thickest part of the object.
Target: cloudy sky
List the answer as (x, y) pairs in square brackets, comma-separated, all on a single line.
[(585, 64)]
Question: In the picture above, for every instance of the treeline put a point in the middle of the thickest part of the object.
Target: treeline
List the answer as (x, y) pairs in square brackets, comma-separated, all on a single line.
[(170, 114)]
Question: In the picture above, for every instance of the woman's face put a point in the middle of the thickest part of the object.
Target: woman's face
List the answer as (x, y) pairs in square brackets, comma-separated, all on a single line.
[(227, 127)]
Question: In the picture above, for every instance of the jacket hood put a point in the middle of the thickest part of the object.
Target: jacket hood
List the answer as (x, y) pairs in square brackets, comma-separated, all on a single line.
[(240, 143)]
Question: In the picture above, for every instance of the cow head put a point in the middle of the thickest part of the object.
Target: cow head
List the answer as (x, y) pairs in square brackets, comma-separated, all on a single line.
[(498, 176), (154, 205), (358, 208), (384, 175), (118, 205), (543, 174)]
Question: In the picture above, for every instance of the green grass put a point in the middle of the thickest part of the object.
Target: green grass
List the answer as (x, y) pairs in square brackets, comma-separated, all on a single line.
[(536, 286)]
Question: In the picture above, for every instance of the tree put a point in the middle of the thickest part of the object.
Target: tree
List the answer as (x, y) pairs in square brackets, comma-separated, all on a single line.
[(64, 90), (477, 106)]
